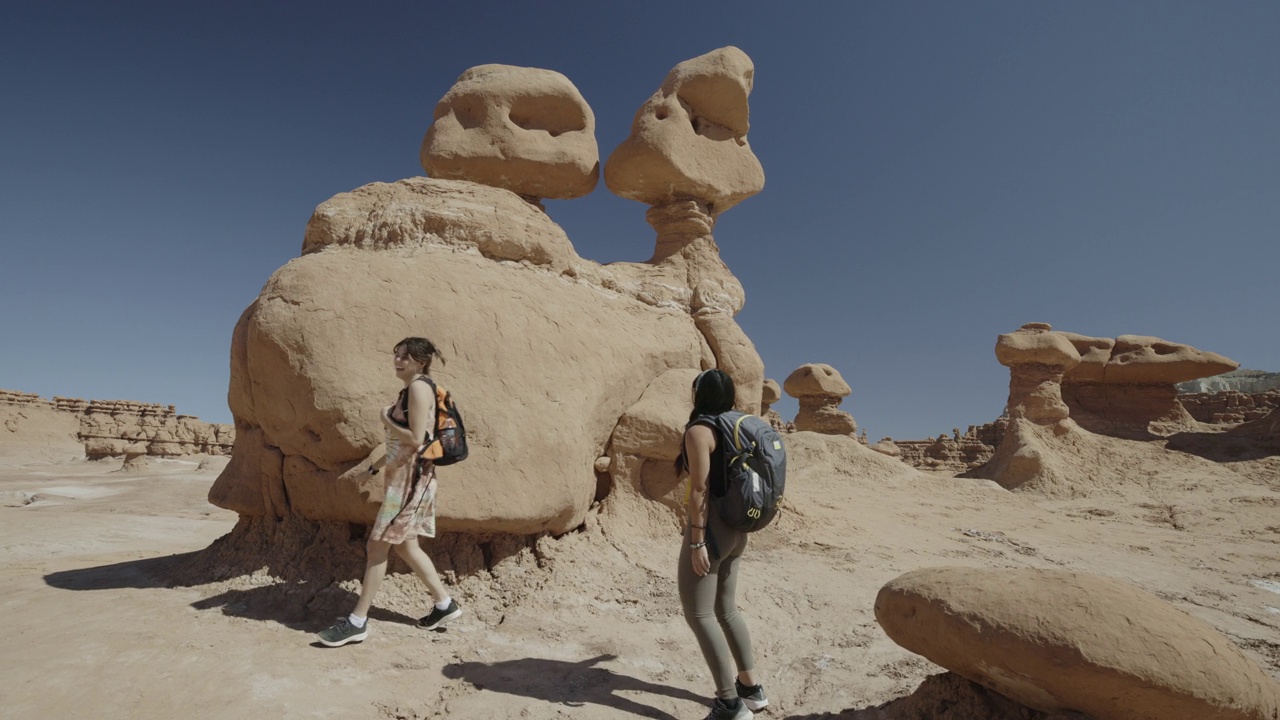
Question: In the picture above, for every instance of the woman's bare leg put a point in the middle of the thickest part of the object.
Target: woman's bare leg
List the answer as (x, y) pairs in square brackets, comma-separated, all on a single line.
[(422, 566), (374, 570)]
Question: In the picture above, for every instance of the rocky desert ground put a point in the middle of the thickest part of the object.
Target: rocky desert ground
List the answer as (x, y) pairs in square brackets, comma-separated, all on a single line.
[(102, 574)]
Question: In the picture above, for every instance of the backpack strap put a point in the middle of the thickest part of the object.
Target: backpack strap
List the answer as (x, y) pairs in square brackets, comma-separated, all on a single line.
[(404, 404)]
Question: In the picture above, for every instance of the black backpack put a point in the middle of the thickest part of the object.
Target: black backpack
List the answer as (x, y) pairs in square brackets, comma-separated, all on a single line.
[(449, 439), (755, 470)]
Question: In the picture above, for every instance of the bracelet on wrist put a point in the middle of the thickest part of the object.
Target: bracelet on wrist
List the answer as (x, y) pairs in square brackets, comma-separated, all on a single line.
[(695, 546), (698, 527)]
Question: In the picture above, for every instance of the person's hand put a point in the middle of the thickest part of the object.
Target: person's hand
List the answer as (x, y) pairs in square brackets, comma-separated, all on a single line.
[(386, 416), (701, 562)]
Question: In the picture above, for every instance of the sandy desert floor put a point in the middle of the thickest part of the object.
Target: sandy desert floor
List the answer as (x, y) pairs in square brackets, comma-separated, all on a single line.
[(589, 626)]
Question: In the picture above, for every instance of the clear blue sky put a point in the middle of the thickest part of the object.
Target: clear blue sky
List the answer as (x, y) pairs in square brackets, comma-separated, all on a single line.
[(937, 173)]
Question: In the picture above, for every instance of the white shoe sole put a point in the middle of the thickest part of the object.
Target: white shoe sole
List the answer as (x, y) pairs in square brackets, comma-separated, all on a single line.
[(756, 705), (340, 643)]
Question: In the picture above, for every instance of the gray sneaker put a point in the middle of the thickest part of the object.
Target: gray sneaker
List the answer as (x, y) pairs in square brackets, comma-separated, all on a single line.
[(721, 710), (752, 695), (343, 632)]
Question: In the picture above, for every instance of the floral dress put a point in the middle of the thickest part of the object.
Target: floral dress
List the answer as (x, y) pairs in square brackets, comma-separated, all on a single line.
[(409, 506)]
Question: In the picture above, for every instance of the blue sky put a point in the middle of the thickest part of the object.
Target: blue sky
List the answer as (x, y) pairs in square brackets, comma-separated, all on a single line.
[(937, 173)]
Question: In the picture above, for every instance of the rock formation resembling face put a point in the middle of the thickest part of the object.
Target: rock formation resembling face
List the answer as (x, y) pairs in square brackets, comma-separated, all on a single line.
[(689, 140), (816, 380), (527, 130)]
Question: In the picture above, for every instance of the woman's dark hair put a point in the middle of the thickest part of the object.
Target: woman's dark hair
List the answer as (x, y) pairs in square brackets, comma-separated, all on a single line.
[(420, 349), (712, 394)]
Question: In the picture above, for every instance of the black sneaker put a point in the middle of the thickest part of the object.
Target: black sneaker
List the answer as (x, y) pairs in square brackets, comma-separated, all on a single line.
[(439, 617), (752, 695), (722, 710)]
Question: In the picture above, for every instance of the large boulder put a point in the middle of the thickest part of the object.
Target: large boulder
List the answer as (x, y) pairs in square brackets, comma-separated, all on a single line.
[(544, 352), (1056, 640)]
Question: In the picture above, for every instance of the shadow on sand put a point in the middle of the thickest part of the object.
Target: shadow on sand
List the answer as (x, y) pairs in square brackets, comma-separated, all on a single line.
[(302, 605), (572, 684)]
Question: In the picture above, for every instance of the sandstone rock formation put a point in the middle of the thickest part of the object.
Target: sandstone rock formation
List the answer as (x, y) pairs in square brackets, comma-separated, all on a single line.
[(689, 140), (820, 388), (1037, 359), (1228, 406), (1125, 387), (1057, 640), (32, 429), (688, 158), (573, 377), (770, 394), (527, 130), (954, 452), (109, 428)]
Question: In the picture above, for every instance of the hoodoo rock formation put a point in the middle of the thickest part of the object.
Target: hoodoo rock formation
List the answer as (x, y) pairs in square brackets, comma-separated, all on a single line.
[(771, 393), (1037, 359), (1061, 641), (526, 130), (688, 158), (820, 389), (64, 428), (585, 384), (1126, 387)]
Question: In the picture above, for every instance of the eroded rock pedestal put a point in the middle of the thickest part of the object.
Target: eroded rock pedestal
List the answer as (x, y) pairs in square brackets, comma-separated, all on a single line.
[(820, 390)]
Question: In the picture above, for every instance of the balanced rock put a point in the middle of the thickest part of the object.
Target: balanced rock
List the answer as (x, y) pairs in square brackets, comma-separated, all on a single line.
[(820, 389), (689, 140), (1061, 641), (527, 130), (1127, 386), (689, 167), (1037, 359)]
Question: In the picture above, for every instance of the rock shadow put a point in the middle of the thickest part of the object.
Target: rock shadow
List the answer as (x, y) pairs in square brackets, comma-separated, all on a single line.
[(945, 696), (144, 573), (573, 684)]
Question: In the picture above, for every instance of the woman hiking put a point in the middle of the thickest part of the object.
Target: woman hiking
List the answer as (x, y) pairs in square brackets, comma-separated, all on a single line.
[(409, 508), (710, 558)]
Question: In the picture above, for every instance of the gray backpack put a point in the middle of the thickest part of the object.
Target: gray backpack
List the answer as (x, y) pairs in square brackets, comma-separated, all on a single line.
[(755, 470)]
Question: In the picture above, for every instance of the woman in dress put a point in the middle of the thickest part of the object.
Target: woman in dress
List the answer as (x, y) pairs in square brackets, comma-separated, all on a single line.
[(709, 559), (409, 508)]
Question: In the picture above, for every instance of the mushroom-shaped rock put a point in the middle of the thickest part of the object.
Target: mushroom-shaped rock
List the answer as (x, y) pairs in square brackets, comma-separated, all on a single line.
[(1141, 359), (1036, 357), (1126, 386), (819, 388), (1036, 344), (770, 394), (816, 380), (1063, 641), (527, 130), (689, 140)]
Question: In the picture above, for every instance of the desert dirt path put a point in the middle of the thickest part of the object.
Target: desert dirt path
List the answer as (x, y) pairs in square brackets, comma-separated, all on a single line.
[(595, 631)]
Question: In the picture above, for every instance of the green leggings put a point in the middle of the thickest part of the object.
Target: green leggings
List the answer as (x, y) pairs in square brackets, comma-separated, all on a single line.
[(711, 609)]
